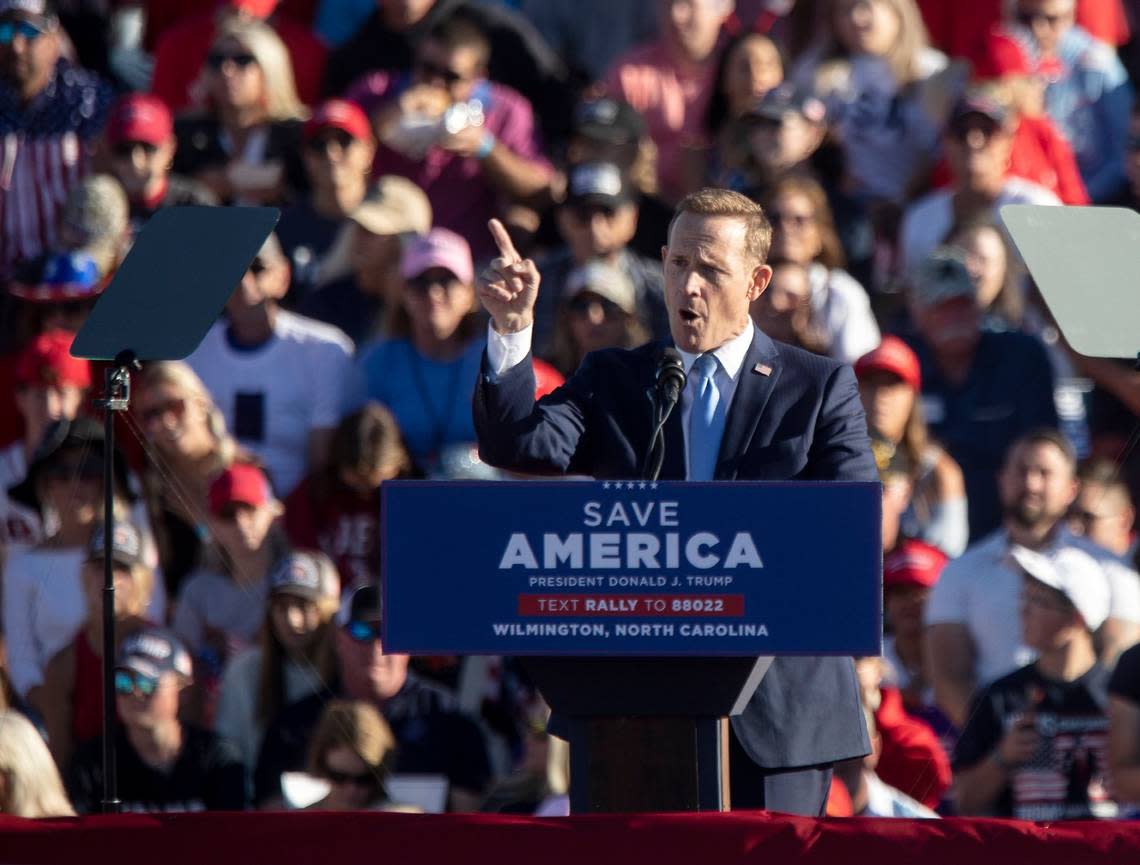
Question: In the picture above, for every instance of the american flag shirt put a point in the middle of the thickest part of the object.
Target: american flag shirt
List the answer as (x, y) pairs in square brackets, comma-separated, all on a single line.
[(1067, 777), (45, 150)]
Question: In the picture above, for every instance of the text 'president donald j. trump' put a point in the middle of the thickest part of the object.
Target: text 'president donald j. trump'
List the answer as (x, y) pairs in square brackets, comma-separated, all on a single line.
[(751, 408)]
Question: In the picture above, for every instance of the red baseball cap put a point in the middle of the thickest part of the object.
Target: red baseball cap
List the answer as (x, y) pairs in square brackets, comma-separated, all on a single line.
[(339, 114), (893, 356), (254, 8), (47, 362), (140, 117), (913, 563), (1002, 53), (241, 483)]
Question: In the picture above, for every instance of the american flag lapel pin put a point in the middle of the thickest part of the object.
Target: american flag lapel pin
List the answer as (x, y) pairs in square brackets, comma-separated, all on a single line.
[(762, 369)]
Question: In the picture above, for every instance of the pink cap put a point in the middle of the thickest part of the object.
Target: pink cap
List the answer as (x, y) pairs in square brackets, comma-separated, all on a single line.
[(140, 117), (438, 248)]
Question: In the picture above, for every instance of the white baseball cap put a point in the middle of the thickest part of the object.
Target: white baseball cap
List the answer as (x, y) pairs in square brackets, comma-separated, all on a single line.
[(1073, 573)]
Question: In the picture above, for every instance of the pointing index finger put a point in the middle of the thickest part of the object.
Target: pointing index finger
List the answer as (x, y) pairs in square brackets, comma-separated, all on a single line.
[(504, 242)]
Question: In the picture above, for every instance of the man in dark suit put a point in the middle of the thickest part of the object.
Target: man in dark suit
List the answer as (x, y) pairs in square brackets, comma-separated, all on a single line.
[(752, 409)]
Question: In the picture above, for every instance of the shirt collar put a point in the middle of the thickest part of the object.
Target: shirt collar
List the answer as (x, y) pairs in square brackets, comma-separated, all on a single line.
[(730, 354)]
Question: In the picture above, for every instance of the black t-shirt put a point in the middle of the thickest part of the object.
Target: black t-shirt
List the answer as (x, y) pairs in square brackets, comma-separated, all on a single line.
[(208, 776), (432, 738), (343, 305), (1125, 681), (1066, 779), (306, 238)]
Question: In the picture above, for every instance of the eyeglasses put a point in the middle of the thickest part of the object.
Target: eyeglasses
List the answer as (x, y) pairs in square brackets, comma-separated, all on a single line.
[(364, 779), (581, 304), (9, 30), (216, 60), (363, 632), (429, 70), (128, 682), (126, 149), (176, 407), (791, 220), (1028, 19)]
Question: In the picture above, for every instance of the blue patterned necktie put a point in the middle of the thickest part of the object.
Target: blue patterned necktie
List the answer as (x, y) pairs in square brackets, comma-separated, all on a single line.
[(706, 420)]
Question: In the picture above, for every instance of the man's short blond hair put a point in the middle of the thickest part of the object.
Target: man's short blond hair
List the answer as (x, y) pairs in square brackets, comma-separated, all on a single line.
[(712, 201)]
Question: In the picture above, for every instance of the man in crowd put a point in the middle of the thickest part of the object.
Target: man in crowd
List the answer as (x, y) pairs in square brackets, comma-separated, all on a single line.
[(715, 266), (140, 143), (969, 639), (51, 112), (276, 375), (1103, 511), (670, 82), (980, 389), (449, 128), (598, 221), (360, 279), (163, 764), (338, 153), (978, 142), (50, 386), (432, 736), (1035, 745)]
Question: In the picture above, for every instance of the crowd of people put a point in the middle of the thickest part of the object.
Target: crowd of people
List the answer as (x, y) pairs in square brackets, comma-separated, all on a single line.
[(880, 136)]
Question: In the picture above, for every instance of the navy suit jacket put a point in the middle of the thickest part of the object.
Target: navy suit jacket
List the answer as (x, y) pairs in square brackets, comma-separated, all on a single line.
[(794, 415)]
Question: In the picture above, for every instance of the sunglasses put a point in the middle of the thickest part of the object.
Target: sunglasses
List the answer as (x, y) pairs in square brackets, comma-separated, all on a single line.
[(1028, 19), (429, 70), (363, 632), (581, 304), (176, 407), (792, 220), (319, 143), (219, 59), (88, 470), (9, 30), (126, 149), (364, 779), (961, 131), (128, 682), (229, 512), (423, 284), (585, 213)]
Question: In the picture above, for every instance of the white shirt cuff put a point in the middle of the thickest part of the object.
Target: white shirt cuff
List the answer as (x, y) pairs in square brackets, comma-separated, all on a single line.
[(505, 351)]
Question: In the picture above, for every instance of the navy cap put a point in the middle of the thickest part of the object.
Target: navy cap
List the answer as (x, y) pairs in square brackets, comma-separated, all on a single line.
[(598, 183), (126, 544), (363, 604), (155, 651), (608, 120), (789, 98), (306, 575)]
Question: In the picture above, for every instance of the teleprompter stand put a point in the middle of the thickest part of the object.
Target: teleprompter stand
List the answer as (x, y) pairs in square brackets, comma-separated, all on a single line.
[(169, 290)]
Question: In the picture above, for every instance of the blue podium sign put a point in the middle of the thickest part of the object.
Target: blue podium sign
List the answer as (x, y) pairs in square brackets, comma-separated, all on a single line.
[(632, 568)]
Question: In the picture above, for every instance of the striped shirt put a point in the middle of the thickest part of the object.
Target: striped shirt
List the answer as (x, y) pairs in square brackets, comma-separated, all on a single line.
[(44, 152)]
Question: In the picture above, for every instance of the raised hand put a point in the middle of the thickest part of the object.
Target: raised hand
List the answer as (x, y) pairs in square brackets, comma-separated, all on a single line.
[(509, 286)]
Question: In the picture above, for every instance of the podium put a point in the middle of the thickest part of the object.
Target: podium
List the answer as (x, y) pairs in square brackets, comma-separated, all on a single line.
[(646, 613)]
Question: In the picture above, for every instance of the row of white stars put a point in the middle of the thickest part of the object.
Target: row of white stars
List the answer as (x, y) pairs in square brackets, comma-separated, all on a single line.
[(629, 485)]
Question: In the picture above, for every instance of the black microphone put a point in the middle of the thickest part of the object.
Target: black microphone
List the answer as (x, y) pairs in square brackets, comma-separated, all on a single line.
[(670, 383), (670, 379)]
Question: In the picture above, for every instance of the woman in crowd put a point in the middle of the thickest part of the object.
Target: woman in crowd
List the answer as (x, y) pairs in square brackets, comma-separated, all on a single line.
[(294, 658), (869, 64), (221, 606), (750, 66), (889, 386), (190, 446), (352, 749), (246, 144), (803, 232), (991, 264), (30, 785), (424, 371), (337, 509), (43, 596), (598, 310), (71, 698), (784, 311)]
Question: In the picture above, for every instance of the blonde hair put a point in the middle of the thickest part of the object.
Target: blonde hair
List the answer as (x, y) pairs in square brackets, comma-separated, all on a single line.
[(713, 201), (905, 56), (180, 375), (359, 727), (34, 788), (257, 37)]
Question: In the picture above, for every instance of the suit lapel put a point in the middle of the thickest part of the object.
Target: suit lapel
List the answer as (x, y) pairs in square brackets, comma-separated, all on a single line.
[(758, 377)]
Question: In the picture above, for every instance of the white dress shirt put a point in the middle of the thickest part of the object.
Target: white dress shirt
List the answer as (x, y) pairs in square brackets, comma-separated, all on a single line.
[(506, 350)]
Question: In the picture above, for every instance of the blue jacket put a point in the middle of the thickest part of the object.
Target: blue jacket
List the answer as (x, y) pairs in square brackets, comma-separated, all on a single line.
[(801, 420)]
